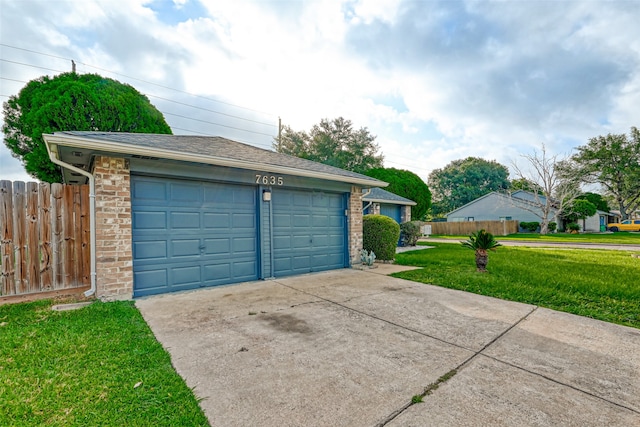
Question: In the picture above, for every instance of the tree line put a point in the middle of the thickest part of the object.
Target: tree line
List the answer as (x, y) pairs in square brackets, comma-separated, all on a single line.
[(71, 101)]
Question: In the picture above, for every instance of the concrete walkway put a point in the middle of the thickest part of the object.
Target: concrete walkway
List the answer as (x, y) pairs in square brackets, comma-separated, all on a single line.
[(352, 348)]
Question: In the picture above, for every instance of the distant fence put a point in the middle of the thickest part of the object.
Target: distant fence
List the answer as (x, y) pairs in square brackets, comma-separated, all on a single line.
[(45, 236), (498, 228)]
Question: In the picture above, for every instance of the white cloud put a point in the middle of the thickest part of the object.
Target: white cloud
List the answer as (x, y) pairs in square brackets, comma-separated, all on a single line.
[(435, 81)]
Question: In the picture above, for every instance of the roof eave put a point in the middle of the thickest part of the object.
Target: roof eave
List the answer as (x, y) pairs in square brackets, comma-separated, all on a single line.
[(53, 140), (392, 202)]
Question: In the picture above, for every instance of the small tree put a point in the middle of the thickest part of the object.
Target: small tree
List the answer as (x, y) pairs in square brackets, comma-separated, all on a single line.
[(481, 242), (580, 209), (552, 187)]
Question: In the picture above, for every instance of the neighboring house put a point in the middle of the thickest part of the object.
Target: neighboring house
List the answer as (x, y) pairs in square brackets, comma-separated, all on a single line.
[(496, 206), (178, 212), (598, 222), (383, 202), (519, 206)]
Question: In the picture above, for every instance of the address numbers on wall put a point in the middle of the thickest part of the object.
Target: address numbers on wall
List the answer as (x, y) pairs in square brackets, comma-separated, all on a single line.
[(269, 180)]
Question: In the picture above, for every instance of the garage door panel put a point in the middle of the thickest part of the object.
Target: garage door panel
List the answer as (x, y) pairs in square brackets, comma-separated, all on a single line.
[(150, 250), (186, 193), (185, 248), (185, 220), (217, 220), (217, 272), (149, 220), (244, 245), (244, 221), (151, 192), (151, 279), (186, 275), (244, 270), (220, 246), (209, 239)]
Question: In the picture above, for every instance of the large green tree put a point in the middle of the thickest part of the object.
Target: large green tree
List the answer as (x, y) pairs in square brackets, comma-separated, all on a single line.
[(332, 142), (406, 184), (464, 180), (613, 161), (598, 201), (72, 102)]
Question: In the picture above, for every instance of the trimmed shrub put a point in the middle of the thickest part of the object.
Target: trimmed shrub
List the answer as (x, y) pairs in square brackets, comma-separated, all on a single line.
[(552, 226), (531, 227), (409, 233), (380, 235), (573, 227)]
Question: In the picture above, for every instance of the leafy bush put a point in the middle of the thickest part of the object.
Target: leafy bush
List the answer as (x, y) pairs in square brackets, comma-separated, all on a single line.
[(531, 227), (409, 233), (380, 235), (573, 226), (552, 226)]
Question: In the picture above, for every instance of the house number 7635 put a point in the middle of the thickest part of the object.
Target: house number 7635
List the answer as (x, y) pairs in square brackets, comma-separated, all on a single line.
[(269, 180)]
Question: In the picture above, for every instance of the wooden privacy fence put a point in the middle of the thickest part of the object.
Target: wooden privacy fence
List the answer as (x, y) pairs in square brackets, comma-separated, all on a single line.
[(45, 237), (498, 228)]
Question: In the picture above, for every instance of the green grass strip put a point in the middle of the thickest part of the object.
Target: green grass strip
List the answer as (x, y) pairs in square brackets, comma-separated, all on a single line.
[(622, 238), (96, 366), (602, 284)]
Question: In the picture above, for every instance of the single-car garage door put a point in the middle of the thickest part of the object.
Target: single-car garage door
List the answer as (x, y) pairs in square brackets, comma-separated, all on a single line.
[(190, 234), (392, 211), (309, 231)]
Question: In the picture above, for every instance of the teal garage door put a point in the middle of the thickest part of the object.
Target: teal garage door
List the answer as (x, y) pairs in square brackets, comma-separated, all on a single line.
[(309, 231), (392, 211), (191, 234)]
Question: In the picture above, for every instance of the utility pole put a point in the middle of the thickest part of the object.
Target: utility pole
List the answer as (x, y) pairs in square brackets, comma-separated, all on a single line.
[(73, 66), (279, 129)]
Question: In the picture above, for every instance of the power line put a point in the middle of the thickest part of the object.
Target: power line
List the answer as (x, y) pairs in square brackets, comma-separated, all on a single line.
[(212, 111), (134, 78), (29, 65), (216, 124)]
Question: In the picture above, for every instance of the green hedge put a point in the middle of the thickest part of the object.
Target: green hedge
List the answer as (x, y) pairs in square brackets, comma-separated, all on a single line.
[(380, 235), (410, 233)]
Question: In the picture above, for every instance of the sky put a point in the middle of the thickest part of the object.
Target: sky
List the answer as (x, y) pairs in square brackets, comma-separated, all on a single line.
[(434, 81)]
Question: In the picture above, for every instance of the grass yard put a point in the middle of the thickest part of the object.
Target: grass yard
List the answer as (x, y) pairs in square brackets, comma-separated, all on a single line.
[(96, 366), (602, 284), (621, 238)]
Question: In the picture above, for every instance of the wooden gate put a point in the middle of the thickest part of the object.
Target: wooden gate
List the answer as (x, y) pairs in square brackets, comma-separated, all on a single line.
[(45, 246)]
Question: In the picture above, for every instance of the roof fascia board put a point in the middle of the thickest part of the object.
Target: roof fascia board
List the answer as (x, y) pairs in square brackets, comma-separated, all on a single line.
[(115, 147), (389, 202)]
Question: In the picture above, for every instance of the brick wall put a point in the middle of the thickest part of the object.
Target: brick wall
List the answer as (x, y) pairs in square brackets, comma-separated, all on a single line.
[(355, 224), (114, 269)]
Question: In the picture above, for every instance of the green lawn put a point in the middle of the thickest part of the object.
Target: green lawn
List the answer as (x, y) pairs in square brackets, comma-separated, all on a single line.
[(96, 366), (602, 284), (621, 238)]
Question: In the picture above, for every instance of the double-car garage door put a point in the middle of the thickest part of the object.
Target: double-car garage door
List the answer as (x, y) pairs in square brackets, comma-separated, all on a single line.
[(191, 234)]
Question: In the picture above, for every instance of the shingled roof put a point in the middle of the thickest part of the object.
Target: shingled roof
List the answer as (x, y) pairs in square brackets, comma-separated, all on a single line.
[(379, 195), (213, 150)]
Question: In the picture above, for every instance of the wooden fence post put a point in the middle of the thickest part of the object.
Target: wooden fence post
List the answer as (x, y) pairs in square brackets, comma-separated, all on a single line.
[(8, 285)]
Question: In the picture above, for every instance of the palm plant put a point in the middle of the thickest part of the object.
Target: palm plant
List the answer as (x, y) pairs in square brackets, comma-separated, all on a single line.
[(481, 242)]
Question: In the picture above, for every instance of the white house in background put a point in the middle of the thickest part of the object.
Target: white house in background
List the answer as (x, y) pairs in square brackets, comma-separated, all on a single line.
[(518, 206), (496, 206)]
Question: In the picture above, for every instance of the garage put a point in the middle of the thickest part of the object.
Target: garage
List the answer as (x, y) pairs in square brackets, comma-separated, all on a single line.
[(309, 231), (190, 234), (181, 212)]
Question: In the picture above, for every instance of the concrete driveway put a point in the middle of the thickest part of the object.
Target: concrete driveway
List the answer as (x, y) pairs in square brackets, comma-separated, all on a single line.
[(351, 348)]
